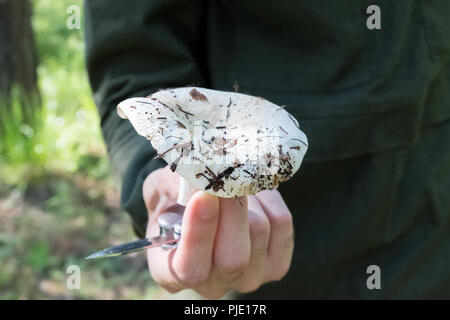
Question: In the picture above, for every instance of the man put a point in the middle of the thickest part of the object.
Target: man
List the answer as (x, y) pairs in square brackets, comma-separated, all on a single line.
[(370, 206)]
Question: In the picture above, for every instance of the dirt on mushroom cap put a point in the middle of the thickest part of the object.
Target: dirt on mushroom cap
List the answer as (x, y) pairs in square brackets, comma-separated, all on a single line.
[(226, 143)]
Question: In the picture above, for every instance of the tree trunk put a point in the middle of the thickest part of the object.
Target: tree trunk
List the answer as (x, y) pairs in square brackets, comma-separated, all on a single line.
[(17, 49)]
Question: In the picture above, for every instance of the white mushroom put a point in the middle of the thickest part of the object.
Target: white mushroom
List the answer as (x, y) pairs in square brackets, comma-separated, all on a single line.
[(225, 143)]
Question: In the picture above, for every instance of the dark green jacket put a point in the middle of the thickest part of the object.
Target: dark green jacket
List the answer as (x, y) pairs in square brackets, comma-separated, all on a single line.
[(374, 188)]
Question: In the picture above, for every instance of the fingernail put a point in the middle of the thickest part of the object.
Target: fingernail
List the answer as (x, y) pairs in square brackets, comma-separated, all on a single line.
[(207, 204)]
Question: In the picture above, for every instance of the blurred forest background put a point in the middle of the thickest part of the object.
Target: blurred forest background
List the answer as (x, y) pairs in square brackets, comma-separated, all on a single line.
[(58, 202)]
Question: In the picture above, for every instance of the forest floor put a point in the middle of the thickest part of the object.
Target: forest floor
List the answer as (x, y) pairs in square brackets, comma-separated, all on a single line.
[(55, 223), (58, 200)]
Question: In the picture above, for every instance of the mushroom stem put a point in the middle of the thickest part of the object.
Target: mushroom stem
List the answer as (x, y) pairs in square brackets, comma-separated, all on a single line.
[(186, 192)]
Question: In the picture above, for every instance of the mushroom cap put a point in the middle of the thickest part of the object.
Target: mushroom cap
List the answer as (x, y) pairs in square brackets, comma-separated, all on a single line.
[(225, 143)]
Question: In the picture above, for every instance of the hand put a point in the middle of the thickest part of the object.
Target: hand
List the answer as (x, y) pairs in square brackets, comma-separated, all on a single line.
[(226, 243)]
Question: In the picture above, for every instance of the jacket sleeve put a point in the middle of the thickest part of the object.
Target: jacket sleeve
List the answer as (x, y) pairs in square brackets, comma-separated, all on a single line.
[(134, 48)]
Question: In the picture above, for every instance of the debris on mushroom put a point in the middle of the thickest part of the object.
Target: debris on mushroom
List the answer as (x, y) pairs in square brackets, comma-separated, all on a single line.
[(225, 143)]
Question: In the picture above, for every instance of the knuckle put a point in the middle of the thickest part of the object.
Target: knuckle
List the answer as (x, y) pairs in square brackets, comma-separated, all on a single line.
[(213, 294), (232, 269), (167, 284), (191, 277), (283, 221), (280, 275), (153, 177), (248, 286), (259, 226), (170, 288), (279, 272)]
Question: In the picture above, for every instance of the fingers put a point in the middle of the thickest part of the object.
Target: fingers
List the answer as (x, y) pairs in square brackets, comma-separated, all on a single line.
[(161, 184), (281, 244), (213, 251), (226, 243), (232, 247), (193, 258), (190, 264), (259, 227)]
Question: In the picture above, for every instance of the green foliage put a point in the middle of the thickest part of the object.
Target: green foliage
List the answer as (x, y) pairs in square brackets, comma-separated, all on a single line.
[(20, 126), (66, 135), (39, 255), (57, 44), (57, 202)]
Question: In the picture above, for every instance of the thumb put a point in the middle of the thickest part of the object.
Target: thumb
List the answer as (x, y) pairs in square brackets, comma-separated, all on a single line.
[(193, 256)]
